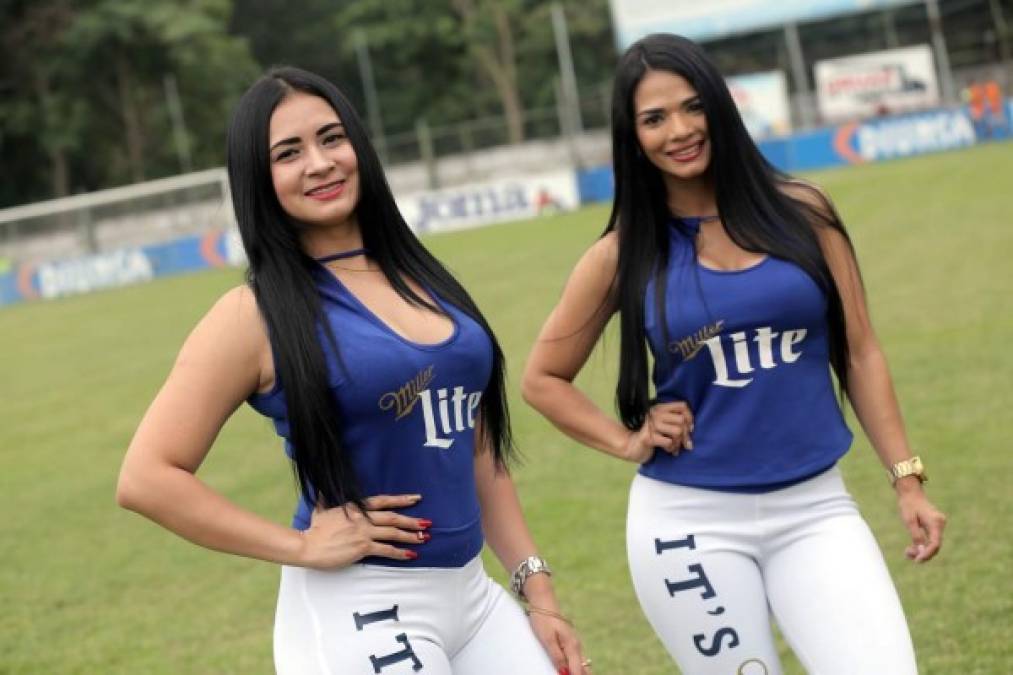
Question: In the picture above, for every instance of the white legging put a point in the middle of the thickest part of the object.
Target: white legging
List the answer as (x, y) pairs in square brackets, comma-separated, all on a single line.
[(373, 620), (710, 567)]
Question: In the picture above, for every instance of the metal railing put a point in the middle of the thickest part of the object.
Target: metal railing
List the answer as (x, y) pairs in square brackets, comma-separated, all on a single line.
[(134, 214)]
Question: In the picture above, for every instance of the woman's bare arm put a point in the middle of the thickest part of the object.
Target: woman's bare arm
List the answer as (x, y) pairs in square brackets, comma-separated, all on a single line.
[(219, 366)]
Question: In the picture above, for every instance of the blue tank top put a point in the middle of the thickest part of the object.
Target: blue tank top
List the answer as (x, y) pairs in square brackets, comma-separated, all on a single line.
[(748, 351), (408, 414)]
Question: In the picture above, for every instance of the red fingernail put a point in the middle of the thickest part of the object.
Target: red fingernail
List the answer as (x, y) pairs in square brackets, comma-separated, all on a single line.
[(411, 555), (425, 523), (564, 671), (425, 536)]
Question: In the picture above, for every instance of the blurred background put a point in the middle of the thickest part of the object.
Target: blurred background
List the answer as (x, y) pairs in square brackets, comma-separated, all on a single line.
[(97, 94)]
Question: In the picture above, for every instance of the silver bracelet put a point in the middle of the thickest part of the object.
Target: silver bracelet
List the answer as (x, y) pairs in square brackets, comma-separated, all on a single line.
[(529, 566)]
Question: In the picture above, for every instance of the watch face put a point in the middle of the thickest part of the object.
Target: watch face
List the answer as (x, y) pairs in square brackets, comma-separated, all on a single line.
[(909, 467)]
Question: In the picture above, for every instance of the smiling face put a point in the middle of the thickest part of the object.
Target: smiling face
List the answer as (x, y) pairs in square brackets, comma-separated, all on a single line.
[(671, 126), (313, 165)]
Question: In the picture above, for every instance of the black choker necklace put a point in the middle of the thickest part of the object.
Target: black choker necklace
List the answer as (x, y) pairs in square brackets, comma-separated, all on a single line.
[(341, 256)]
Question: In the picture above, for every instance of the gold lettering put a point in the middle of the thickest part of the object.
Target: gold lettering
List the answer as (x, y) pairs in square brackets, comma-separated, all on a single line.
[(691, 345), (403, 400)]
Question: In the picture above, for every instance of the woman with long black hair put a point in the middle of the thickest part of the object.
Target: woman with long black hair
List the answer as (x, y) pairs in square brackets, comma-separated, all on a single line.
[(386, 383), (743, 284)]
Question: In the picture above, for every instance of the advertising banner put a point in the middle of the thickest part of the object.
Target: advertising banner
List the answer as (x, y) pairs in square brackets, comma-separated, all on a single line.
[(490, 202), (121, 267), (762, 100), (873, 140), (633, 19), (455, 208), (876, 84)]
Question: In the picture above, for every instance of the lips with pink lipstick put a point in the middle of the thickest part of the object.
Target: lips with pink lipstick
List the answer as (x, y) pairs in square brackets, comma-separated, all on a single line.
[(327, 191), (687, 153)]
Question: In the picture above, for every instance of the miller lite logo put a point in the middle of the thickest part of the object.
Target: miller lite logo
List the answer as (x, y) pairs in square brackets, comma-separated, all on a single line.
[(767, 346), (444, 412)]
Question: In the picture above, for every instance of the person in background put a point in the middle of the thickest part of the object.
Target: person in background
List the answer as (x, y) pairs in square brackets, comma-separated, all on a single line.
[(987, 108)]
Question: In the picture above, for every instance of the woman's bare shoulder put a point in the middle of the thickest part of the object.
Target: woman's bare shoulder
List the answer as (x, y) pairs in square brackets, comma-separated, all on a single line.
[(234, 320), (811, 194), (604, 251)]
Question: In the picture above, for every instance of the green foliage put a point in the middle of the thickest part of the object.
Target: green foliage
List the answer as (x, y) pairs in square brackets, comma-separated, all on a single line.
[(38, 117), (304, 35), (591, 42), (83, 104), (419, 59), (424, 54), (87, 588), (87, 80)]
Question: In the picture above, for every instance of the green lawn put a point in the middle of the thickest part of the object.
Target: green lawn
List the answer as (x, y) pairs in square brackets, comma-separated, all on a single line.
[(88, 588)]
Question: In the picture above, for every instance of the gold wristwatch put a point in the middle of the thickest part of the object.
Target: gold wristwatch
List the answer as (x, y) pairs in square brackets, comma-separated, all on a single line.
[(909, 467)]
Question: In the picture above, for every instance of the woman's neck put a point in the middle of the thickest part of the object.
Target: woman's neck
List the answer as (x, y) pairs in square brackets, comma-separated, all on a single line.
[(691, 198), (319, 241)]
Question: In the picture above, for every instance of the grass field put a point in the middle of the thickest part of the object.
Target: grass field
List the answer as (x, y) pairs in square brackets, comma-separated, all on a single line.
[(88, 588)]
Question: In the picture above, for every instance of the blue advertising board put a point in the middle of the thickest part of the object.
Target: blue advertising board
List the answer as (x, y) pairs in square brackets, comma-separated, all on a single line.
[(121, 267), (862, 142)]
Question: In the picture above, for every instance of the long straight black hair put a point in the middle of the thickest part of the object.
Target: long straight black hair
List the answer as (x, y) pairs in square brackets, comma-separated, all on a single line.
[(280, 275), (752, 203)]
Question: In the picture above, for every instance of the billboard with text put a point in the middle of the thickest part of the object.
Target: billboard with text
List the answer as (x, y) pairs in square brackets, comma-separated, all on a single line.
[(876, 83), (490, 202)]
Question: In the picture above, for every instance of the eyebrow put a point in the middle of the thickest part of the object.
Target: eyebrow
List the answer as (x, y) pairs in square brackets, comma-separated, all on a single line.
[(650, 111), (294, 140), (656, 110)]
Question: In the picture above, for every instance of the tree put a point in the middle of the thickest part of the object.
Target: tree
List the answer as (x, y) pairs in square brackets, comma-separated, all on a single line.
[(133, 44), (82, 99), (592, 46), (419, 60), (309, 38), (38, 104), (489, 37)]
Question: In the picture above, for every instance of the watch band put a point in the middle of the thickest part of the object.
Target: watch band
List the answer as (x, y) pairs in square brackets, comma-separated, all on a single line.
[(529, 566), (908, 467)]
